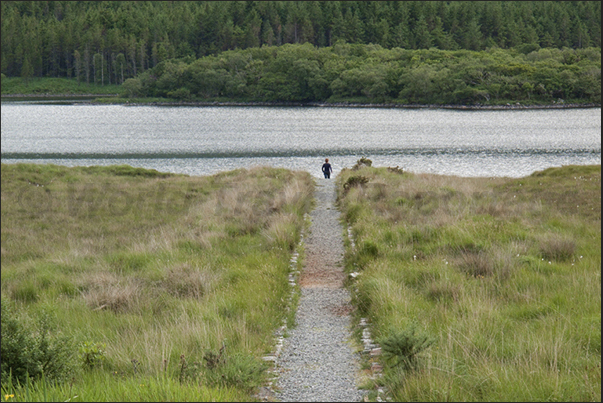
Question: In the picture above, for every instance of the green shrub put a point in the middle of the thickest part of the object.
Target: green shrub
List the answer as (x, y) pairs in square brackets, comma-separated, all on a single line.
[(396, 170), (133, 87), (401, 348), (362, 162), (354, 181), (32, 352), (17, 347), (181, 93), (92, 354)]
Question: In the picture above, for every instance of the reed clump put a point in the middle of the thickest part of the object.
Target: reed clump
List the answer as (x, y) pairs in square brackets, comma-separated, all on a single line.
[(502, 274), (556, 247), (152, 266)]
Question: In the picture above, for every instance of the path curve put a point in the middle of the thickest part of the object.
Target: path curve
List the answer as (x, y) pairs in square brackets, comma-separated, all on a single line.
[(317, 362)]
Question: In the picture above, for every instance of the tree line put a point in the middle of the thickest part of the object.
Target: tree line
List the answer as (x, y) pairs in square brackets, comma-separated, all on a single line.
[(108, 42), (371, 73)]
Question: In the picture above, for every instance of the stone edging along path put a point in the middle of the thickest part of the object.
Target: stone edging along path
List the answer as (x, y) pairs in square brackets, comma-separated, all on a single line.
[(317, 361)]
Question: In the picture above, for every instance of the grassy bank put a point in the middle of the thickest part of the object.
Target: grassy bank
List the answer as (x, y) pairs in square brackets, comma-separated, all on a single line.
[(144, 286), (479, 289), (55, 86)]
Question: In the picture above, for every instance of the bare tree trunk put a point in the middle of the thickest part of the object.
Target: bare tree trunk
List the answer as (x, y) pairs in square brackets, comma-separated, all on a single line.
[(87, 63), (142, 56)]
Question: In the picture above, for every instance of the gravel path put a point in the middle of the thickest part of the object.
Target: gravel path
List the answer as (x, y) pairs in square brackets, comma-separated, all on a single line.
[(317, 363)]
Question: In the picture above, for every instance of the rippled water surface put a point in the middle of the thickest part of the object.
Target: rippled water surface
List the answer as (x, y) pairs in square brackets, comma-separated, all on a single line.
[(206, 140)]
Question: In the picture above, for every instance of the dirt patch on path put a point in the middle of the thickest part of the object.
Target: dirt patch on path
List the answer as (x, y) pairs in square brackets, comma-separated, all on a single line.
[(324, 245)]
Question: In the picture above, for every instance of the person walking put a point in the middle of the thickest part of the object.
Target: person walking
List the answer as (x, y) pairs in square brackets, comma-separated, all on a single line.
[(326, 169)]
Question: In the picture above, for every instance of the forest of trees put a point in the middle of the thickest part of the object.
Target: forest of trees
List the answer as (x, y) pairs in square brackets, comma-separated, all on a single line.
[(109, 42)]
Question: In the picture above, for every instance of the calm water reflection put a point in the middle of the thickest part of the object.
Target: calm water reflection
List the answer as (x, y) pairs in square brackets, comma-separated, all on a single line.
[(205, 140)]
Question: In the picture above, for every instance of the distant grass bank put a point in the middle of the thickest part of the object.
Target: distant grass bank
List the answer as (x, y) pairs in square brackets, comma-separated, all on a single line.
[(127, 284), (16, 88), (479, 289)]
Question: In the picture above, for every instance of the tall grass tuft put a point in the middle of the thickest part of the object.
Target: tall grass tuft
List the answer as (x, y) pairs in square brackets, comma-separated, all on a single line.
[(556, 247)]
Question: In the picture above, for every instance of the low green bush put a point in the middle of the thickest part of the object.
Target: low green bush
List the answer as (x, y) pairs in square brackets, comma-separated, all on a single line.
[(401, 347), (92, 354), (362, 162), (32, 351), (354, 181)]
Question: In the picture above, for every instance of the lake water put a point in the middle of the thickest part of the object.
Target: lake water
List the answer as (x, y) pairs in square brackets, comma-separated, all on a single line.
[(206, 140)]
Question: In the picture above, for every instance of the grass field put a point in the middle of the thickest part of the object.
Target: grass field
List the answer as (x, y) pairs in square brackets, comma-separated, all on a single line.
[(126, 284), (479, 289), (56, 86)]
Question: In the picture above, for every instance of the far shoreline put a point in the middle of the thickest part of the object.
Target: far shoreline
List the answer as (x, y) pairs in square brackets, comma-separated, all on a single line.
[(90, 99)]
